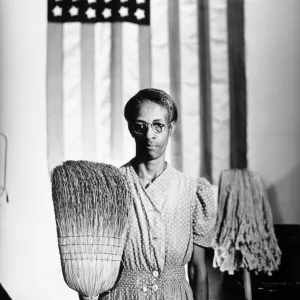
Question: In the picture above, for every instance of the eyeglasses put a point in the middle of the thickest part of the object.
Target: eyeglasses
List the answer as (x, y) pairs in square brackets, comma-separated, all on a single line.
[(142, 127)]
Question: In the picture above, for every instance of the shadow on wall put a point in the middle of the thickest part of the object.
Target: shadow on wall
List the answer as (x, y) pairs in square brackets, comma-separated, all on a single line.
[(284, 198)]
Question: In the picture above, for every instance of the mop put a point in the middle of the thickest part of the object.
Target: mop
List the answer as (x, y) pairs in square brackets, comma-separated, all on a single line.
[(244, 236)]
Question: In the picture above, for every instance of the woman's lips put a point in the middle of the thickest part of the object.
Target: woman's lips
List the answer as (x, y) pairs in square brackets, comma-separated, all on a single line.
[(151, 146)]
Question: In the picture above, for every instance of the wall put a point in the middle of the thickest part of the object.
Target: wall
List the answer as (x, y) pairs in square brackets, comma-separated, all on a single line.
[(29, 258), (273, 81)]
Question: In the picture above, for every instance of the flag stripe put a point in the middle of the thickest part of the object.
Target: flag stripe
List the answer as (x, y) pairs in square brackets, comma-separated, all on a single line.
[(131, 81), (190, 104), (102, 91), (145, 57), (72, 90), (55, 131), (116, 92), (237, 73), (160, 45), (88, 91), (175, 78), (160, 51), (219, 87), (205, 90)]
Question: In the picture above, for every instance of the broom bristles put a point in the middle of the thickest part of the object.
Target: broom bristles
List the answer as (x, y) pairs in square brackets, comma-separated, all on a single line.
[(91, 203)]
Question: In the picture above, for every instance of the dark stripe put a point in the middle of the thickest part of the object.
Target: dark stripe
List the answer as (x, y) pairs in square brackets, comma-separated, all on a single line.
[(237, 84), (175, 78), (145, 57), (116, 92), (88, 91), (205, 91), (55, 128)]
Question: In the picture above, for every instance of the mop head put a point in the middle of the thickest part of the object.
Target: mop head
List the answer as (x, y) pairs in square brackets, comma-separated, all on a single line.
[(91, 203), (244, 235)]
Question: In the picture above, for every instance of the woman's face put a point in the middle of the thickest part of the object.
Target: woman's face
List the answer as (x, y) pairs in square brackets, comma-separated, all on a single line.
[(151, 145)]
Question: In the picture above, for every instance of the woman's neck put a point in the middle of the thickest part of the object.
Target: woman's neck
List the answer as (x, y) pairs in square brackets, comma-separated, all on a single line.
[(147, 171)]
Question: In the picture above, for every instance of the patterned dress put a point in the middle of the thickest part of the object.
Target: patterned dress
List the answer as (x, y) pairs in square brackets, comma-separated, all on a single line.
[(167, 217)]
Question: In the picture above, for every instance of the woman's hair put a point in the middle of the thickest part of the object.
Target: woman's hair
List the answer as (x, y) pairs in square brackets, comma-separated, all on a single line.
[(156, 96)]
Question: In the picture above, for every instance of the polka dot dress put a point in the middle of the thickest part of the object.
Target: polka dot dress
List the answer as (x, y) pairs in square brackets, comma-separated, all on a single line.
[(167, 217)]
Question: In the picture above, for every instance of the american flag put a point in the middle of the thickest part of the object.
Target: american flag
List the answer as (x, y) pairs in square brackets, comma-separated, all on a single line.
[(101, 52)]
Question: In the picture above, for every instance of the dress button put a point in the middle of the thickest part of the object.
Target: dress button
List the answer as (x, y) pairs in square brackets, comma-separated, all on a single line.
[(145, 289), (154, 287), (155, 273)]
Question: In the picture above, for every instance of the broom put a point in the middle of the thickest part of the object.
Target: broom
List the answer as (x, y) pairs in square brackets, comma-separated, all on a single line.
[(91, 204), (244, 235)]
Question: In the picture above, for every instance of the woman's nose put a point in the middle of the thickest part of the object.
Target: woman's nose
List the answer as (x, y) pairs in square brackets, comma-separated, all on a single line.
[(150, 132)]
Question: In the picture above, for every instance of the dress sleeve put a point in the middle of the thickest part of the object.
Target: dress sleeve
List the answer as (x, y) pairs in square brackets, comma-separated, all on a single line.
[(204, 214)]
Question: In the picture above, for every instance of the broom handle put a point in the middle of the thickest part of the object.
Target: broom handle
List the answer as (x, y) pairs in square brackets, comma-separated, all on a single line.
[(247, 285), (90, 298)]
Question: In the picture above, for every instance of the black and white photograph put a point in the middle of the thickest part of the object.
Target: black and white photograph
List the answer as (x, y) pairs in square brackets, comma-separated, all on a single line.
[(150, 149)]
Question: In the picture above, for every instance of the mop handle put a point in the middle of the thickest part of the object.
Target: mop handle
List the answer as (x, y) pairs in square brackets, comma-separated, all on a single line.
[(247, 285)]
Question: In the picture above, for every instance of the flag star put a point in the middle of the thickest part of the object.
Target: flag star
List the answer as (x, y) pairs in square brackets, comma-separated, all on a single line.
[(123, 11), (91, 1), (73, 11), (91, 13), (140, 1), (106, 1), (106, 13), (140, 14), (124, 1), (57, 11)]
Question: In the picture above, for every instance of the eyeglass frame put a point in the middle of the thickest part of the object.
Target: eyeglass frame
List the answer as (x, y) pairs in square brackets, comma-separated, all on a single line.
[(151, 124)]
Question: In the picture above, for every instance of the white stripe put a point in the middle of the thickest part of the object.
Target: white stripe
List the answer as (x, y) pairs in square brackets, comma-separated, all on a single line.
[(116, 91), (55, 128), (88, 91), (131, 79), (160, 45), (102, 90), (190, 112), (72, 91), (220, 88), (160, 50)]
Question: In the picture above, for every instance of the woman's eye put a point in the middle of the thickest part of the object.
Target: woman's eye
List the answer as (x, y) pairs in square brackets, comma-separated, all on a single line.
[(158, 125), (140, 126)]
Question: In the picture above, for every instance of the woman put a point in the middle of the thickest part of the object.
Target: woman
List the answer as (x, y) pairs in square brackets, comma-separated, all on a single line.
[(172, 217)]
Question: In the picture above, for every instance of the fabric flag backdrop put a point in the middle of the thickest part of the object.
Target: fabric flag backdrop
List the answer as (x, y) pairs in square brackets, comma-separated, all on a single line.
[(101, 52)]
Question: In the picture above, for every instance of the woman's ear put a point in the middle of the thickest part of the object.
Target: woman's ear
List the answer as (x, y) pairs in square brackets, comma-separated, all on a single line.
[(172, 128)]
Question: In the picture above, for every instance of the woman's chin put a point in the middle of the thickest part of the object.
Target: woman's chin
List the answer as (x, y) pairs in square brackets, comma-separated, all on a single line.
[(151, 154)]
